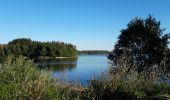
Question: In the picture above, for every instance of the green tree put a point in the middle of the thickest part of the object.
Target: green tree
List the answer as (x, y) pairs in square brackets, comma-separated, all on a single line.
[(34, 49), (43, 52), (143, 41)]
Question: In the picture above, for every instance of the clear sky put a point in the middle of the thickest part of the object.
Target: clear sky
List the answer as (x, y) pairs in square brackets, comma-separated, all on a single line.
[(88, 24)]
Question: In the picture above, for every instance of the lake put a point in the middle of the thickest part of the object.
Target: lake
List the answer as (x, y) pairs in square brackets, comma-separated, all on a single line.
[(77, 70)]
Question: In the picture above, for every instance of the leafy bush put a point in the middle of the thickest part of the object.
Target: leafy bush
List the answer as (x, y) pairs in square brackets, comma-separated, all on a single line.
[(21, 80)]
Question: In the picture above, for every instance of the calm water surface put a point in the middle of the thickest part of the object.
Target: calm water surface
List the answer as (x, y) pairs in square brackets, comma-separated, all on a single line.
[(79, 70)]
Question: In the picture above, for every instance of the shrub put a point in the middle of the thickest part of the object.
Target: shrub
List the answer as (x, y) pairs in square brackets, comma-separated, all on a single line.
[(124, 82), (21, 80)]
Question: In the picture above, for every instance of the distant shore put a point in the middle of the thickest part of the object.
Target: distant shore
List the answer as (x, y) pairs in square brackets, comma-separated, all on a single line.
[(55, 57)]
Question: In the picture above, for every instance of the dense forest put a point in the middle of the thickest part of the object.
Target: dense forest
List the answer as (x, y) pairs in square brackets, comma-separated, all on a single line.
[(90, 52), (35, 49)]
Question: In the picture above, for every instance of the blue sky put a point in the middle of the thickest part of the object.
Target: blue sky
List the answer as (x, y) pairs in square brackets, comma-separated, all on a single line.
[(88, 24)]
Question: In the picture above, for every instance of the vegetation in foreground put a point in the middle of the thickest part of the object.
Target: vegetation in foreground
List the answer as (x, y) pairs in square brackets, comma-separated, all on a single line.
[(21, 80), (124, 82), (141, 63)]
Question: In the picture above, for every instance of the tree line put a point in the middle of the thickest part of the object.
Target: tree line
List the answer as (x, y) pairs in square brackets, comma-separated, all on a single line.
[(90, 52), (35, 49)]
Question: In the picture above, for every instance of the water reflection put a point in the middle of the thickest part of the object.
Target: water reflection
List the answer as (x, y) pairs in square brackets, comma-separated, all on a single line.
[(80, 70), (58, 65)]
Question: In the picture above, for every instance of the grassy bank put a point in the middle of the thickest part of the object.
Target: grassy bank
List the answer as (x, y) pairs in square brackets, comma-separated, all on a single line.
[(21, 80)]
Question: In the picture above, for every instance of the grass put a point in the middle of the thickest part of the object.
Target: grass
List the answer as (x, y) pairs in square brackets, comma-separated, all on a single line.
[(20, 79), (124, 82)]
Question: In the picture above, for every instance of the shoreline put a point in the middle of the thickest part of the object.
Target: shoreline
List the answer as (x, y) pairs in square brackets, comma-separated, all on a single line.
[(56, 57)]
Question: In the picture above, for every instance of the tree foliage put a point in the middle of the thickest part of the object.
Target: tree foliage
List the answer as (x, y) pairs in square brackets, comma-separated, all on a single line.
[(34, 49), (143, 41)]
